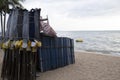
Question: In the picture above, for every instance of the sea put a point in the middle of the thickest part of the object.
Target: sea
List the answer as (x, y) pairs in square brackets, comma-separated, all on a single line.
[(103, 42)]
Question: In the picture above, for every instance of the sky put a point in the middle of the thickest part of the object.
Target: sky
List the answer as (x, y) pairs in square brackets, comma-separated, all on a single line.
[(69, 15)]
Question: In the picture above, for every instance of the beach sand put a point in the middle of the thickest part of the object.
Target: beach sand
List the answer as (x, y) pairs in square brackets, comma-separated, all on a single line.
[(88, 66), (1, 59)]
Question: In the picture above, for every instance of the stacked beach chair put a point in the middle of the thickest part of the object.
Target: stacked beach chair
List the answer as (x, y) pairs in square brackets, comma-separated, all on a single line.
[(55, 52), (27, 50)]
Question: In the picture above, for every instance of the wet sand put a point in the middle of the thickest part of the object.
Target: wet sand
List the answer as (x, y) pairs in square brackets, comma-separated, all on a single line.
[(88, 66)]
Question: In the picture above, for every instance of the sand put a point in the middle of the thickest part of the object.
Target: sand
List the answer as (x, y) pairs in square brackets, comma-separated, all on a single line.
[(88, 66), (1, 59)]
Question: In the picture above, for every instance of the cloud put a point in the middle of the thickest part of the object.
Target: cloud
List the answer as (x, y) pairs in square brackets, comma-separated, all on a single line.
[(78, 8), (79, 14), (95, 8)]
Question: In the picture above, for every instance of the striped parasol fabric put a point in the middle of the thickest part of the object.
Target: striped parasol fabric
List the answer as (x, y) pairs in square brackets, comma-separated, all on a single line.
[(47, 29)]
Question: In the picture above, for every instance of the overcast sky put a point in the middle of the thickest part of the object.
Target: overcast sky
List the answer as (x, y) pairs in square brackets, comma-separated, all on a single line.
[(79, 14)]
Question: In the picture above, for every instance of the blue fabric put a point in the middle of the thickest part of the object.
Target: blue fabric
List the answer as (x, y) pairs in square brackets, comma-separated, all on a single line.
[(20, 23), (13, 24), (37, 23), (31, 25), (25, 30)]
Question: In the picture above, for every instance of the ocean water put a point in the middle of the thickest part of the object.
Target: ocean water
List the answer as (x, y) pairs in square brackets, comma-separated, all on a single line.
[(106, 42)]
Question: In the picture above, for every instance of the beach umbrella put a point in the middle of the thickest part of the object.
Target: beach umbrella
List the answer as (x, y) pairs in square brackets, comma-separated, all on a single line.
[(5, 8), (20, 48), (7, 47)]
